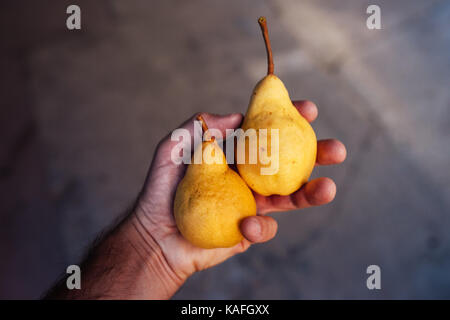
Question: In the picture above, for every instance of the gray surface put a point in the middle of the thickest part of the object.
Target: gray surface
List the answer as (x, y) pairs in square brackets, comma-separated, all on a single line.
[(83, 111)]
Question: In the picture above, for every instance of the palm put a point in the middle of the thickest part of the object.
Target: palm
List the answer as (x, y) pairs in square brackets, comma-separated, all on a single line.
[(156, 200)]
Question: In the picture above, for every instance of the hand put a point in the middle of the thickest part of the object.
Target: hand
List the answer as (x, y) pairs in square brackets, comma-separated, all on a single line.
[(154, 210)]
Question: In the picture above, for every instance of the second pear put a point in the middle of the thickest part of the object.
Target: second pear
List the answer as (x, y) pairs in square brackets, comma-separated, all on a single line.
[(270, 107)]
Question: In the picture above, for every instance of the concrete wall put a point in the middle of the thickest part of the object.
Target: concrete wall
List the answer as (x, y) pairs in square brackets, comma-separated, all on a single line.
[(81, 114)]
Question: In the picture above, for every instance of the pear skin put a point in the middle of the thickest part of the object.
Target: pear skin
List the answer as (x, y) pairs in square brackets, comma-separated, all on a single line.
[(211, 201), (270, 107)]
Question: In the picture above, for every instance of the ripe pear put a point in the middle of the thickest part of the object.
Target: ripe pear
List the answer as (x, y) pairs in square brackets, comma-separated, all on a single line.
[(212, 199), (270, 107)]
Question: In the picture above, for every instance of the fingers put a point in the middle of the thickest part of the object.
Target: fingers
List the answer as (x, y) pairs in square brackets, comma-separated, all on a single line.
[(330, 151), (316, 192), (259, 228), (307, 109)]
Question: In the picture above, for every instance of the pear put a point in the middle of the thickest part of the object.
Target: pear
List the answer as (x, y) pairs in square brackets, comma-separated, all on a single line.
[(270, 107), (212, 199)]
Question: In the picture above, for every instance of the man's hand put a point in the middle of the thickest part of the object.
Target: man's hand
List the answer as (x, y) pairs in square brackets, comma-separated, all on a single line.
[(146, 257), (153, 216)]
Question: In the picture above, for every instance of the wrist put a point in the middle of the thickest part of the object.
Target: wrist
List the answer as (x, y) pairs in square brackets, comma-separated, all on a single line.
[(163, 282)]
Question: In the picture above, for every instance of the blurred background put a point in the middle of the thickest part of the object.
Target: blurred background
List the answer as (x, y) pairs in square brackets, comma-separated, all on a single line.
[(82, 112)]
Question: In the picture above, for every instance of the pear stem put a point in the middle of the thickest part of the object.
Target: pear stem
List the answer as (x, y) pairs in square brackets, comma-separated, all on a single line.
[(263, 24), (204, 127)]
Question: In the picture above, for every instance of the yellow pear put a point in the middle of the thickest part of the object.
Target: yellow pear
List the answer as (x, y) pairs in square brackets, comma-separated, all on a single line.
[(292, 152), (212, 199)]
